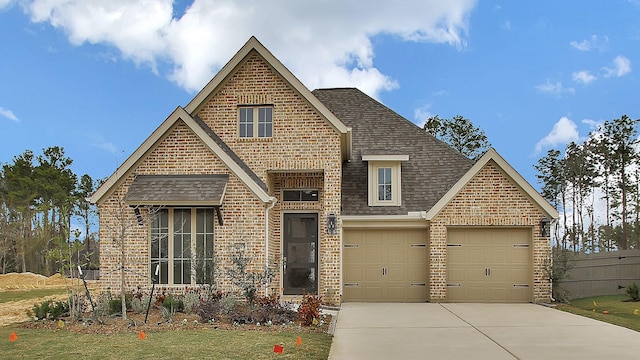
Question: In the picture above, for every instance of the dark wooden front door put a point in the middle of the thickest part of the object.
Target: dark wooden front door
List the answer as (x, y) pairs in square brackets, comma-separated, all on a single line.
[(300, 251)]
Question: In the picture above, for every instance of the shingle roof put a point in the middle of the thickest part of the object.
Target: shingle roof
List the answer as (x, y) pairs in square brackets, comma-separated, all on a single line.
[(230, 152), (177, 190), (433, 166)]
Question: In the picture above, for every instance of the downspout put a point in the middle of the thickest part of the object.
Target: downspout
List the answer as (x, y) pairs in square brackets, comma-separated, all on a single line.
[(272, 203)]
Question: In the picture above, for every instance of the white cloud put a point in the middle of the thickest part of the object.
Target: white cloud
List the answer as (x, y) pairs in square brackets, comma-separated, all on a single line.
[(6, 3), (620, 67), (595, 42), (206, 36), (556, 88), (8, 114), (507, 25), (422, 114), (564, 131), (593, 125), (583, 76)]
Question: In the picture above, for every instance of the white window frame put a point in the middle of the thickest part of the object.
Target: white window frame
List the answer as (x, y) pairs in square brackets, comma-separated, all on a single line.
[(255, 123), (396, 185), (193, 234)]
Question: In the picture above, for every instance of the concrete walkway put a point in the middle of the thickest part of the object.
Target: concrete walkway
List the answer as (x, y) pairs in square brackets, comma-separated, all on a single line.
[(475, 331)]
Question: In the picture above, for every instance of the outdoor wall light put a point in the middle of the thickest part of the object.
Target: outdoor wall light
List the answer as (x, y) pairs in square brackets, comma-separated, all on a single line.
[(544, 224), (332, 225)]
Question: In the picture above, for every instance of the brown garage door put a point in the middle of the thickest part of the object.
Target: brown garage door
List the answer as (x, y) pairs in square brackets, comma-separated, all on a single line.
[(489, 265), (385, 265)]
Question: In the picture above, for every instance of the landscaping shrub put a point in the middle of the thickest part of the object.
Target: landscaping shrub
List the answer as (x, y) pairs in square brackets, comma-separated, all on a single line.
[(208, 310), (270, 308), (49, 310), (309, 309), (190, 301), (172, 303), (632, 291)]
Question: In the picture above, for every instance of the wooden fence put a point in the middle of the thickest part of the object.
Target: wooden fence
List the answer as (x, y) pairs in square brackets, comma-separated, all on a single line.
[(605, 273)]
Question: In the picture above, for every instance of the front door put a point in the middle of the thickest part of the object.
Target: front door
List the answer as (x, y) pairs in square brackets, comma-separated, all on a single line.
[(300, 254)]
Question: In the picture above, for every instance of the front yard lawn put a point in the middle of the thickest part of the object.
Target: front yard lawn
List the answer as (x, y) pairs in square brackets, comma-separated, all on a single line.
[(620, 312), (207, 343)]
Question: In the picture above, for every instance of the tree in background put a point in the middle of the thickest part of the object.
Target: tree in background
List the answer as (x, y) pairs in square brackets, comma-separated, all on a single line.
[(39, 196), (603, 168), (460, 134)]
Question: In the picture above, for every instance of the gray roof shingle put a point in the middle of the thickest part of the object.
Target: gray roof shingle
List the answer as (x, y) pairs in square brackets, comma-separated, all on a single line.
[(433, 166), (177, 190)]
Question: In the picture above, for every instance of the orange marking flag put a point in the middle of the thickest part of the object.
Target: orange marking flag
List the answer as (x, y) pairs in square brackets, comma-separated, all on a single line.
[(141, 335), (13, 337), (299, 341)]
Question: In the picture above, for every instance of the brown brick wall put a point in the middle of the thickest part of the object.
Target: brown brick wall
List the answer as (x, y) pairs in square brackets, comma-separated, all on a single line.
[(301, 141), (490, 199)]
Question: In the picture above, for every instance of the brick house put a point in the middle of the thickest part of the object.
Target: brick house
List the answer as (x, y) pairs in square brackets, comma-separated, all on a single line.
[(334, 192)]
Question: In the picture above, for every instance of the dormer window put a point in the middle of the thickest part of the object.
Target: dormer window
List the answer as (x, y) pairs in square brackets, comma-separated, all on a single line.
[(385, 179), (255, 121)]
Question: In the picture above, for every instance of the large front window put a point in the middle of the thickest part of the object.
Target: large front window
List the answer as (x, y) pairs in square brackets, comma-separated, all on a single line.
[(182, 245)]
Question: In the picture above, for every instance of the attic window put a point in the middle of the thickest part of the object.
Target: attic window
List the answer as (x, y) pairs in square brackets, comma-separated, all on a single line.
[(255, 121), (385, 178)]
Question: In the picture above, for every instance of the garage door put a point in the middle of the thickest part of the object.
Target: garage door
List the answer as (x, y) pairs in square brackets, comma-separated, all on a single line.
[(489, 265), (385, 265)]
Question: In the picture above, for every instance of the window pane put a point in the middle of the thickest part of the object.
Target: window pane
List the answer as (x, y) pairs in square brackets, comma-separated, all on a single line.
[(246, 122), (265, 122), (384, 184), (160, 245)]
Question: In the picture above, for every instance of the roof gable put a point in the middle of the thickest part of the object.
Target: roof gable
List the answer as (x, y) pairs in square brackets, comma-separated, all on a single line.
[(492, 155), (228, 69), (233, 163)]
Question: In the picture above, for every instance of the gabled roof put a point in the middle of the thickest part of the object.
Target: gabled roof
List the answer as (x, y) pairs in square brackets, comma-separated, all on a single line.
[(233, 162), (429, 166), (229, 69), (492, 155)]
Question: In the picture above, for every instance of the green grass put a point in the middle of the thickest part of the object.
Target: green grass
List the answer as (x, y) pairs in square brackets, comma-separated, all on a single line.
[(36, 294), (192, 344), (620, 312)]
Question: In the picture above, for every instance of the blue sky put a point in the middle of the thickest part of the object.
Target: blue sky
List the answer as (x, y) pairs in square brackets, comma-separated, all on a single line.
[(97, 77)]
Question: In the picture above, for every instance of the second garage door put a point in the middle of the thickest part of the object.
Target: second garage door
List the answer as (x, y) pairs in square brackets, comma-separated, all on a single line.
[(383, 265), (489, 265)]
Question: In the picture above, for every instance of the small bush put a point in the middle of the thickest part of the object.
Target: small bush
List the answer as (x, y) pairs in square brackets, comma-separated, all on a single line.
[(632, 291), (208, 310), (138, 306), (190, 301), (309, 309), (227, 303), (49, 310), (172, 303), (115, 306), (270, 308)]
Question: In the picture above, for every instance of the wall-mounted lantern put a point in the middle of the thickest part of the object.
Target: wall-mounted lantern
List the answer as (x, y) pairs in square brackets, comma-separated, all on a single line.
[(544, 227), (332, 226)]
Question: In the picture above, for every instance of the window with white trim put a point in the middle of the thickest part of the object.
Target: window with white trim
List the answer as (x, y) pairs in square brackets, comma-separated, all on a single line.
[(182, 245), (384, 183), (255, 121)]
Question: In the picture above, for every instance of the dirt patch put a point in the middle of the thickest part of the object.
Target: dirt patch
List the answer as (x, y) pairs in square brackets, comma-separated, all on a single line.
[(28, 281), (15, 311)]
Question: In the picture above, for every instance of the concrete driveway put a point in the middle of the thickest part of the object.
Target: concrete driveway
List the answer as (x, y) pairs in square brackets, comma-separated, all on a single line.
[(475, 331)]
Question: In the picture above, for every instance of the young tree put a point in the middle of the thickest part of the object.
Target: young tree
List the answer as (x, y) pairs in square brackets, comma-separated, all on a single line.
[(620, 138), (460, 134), (551, 174)]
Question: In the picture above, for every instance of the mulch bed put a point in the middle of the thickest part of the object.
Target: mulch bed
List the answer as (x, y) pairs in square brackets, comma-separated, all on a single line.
[(155, 322)]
